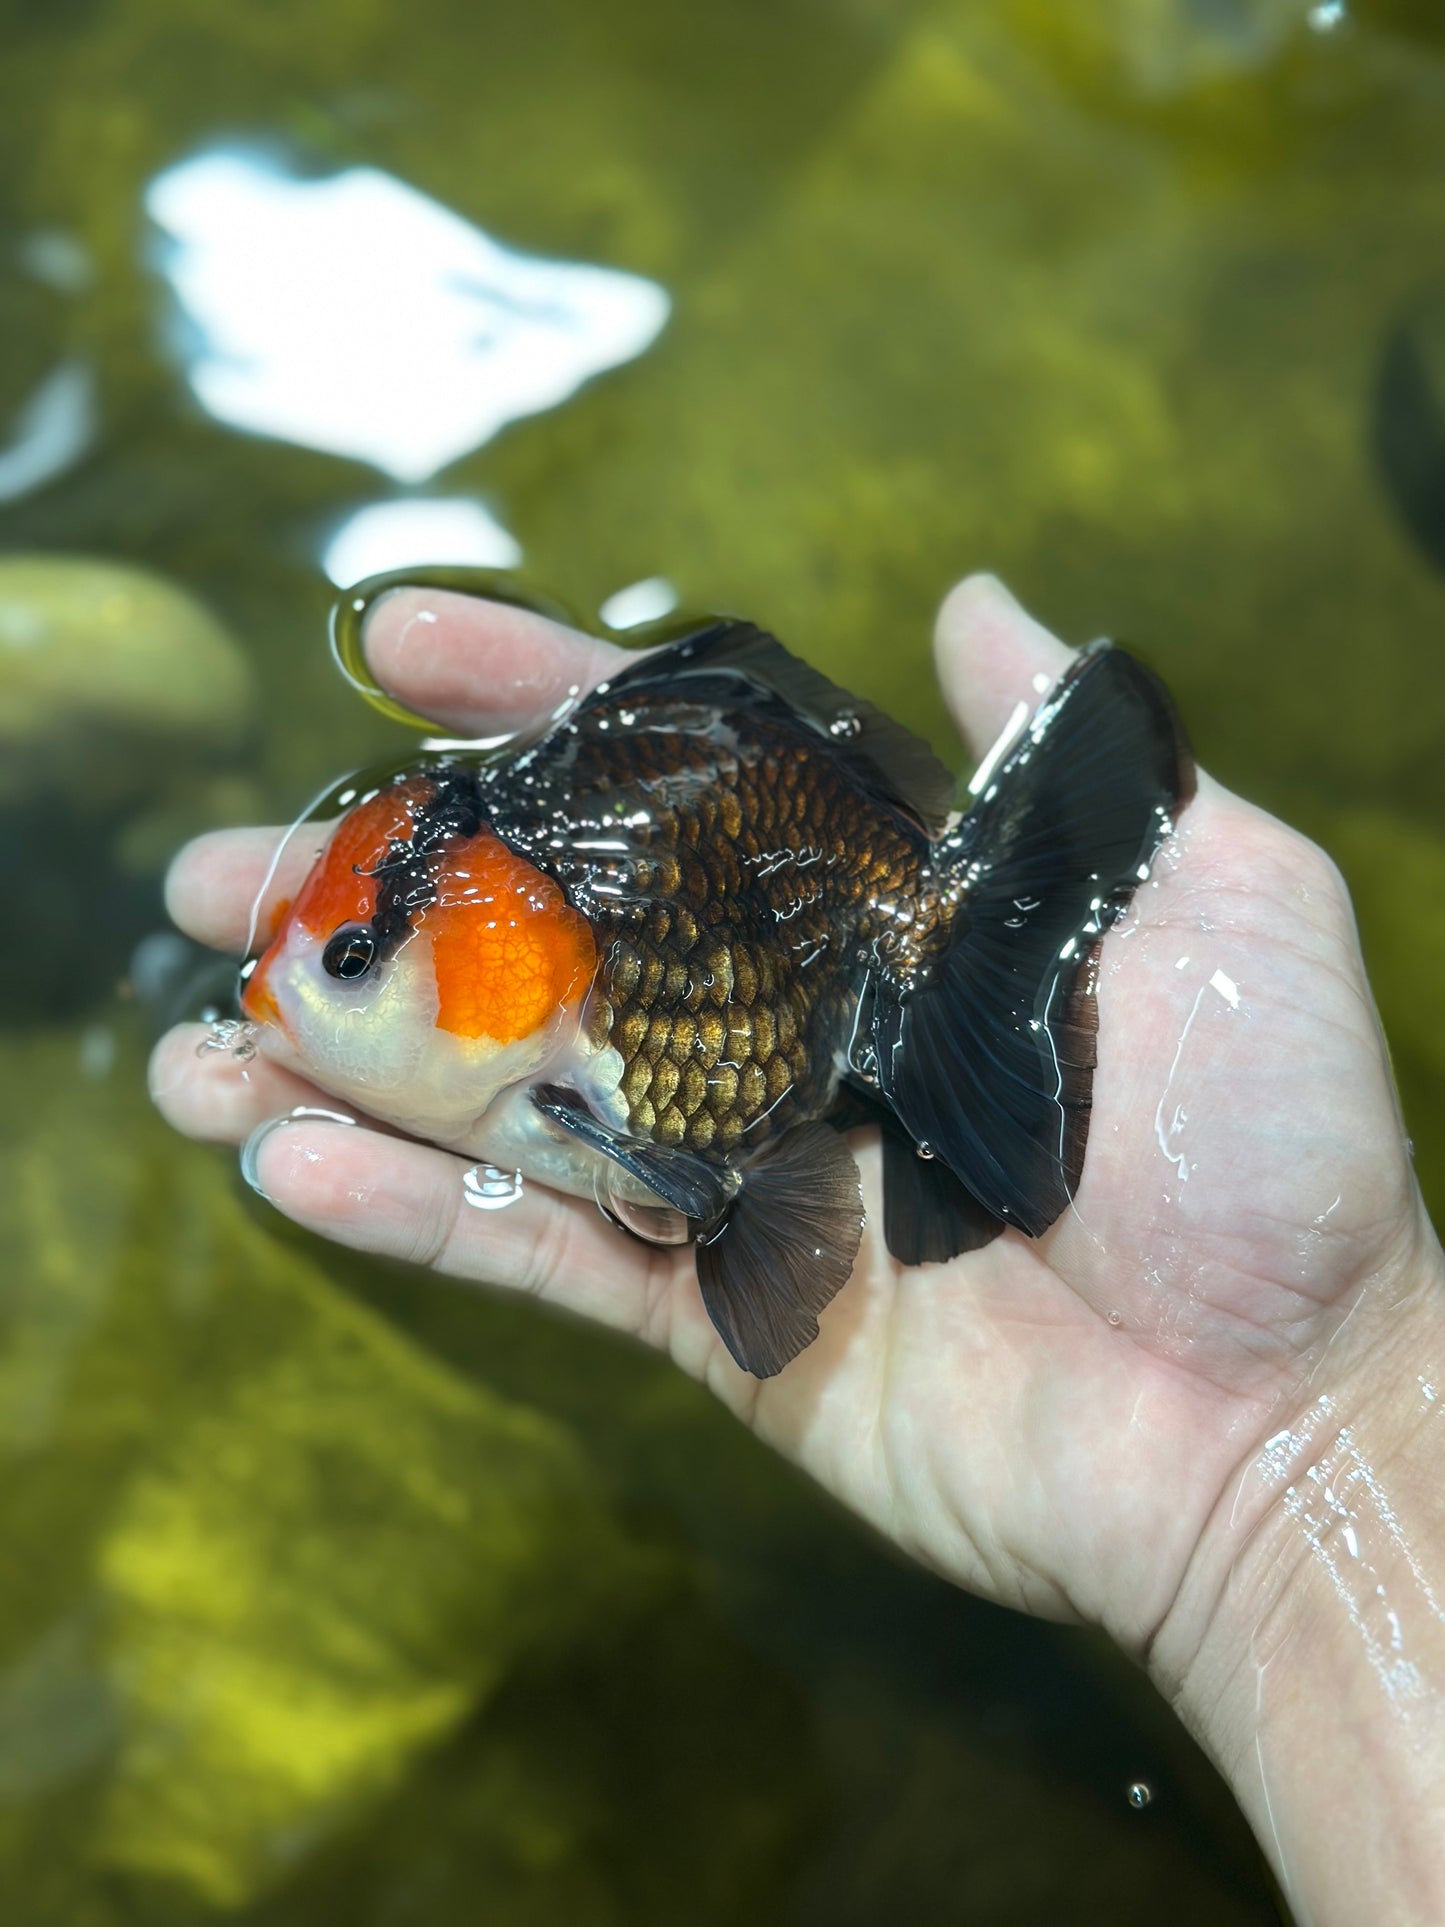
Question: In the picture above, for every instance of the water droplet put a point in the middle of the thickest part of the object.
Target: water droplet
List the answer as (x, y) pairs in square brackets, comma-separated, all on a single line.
[(1227, 988), (845, 725), (1116, 1318), (925, 1150), (489, 1189), (639, 602), (232, 1035), (1139, 1795), (657, 1224)]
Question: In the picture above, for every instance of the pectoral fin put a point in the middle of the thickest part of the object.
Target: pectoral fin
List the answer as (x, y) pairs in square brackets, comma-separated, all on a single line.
[(700, 1191), (785, 1248)]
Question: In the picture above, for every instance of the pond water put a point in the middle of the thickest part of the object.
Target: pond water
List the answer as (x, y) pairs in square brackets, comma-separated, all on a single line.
[(333, 1592)]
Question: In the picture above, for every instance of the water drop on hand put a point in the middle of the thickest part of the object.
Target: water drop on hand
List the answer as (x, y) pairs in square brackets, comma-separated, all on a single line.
[(489, 1189)]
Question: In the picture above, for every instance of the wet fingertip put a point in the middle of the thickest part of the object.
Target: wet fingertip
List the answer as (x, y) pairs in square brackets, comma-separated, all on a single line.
[(182, 872), (979, 600), (991, 652), (167, 1059)]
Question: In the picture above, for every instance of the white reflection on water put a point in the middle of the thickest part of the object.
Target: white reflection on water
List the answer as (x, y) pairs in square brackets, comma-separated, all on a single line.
[(415, 531), (52, 431), (356, 315), (639, 602)]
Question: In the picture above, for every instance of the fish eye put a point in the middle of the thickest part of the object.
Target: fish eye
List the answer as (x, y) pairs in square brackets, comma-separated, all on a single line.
[(350, 953)]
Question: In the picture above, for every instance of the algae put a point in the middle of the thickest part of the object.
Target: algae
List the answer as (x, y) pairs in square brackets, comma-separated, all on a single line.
[(306, 1550)]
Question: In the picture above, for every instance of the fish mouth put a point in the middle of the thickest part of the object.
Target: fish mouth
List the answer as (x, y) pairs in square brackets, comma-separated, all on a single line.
[(258, 998)]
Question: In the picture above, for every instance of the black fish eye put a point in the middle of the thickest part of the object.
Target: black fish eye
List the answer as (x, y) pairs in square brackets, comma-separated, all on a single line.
[(350, 953)]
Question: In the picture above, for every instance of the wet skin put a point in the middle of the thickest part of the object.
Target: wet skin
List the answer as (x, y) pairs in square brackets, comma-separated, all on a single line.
[(1077, 1425)]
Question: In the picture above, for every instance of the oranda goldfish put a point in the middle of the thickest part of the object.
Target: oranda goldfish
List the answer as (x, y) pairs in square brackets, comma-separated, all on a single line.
[(720, 912)]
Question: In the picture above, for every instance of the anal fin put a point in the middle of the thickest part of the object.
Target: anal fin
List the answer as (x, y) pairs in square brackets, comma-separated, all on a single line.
[(784, 1250)]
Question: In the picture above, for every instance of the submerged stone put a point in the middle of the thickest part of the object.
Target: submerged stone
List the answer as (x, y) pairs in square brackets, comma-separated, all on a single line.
[(111, 680), (124, 709)]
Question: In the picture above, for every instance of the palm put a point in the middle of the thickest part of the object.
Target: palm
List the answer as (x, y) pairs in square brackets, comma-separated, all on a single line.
[(1048, 1422), (1053, 1422)]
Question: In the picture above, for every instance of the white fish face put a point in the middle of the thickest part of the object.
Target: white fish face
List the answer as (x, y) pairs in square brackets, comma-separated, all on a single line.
[(421, 987)]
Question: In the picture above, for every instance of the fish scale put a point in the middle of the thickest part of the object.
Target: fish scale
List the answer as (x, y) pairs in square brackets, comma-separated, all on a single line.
[(737, 920)]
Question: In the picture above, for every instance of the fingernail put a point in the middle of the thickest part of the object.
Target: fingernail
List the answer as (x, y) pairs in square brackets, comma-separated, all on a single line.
[(421, 612), (412, 633), (251, 1149)]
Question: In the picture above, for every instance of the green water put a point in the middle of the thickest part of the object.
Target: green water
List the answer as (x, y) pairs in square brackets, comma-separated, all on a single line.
[(335, 1593)]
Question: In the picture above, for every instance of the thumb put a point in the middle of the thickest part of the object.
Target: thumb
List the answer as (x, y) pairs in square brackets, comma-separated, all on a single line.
[(991, 657)]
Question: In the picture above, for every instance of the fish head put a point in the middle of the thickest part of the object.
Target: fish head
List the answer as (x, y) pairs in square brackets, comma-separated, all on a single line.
[(424, 966)]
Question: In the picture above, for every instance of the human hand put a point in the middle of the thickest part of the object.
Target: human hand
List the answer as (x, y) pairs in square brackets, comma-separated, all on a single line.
[(1075, 1425)]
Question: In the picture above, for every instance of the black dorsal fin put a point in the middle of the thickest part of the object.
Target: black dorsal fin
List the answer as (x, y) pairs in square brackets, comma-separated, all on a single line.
[(784, 1250), (894, 763)]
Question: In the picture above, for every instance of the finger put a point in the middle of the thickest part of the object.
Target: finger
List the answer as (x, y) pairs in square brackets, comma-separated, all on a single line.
[(404, 1200), (222, 890), (991, 657), (214, 1095), (480, 668)]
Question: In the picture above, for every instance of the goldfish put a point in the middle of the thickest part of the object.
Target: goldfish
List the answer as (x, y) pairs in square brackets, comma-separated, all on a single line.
[(668, 953)]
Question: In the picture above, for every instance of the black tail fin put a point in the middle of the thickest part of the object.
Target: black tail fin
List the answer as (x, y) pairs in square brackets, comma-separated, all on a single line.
[(990, 1062)]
